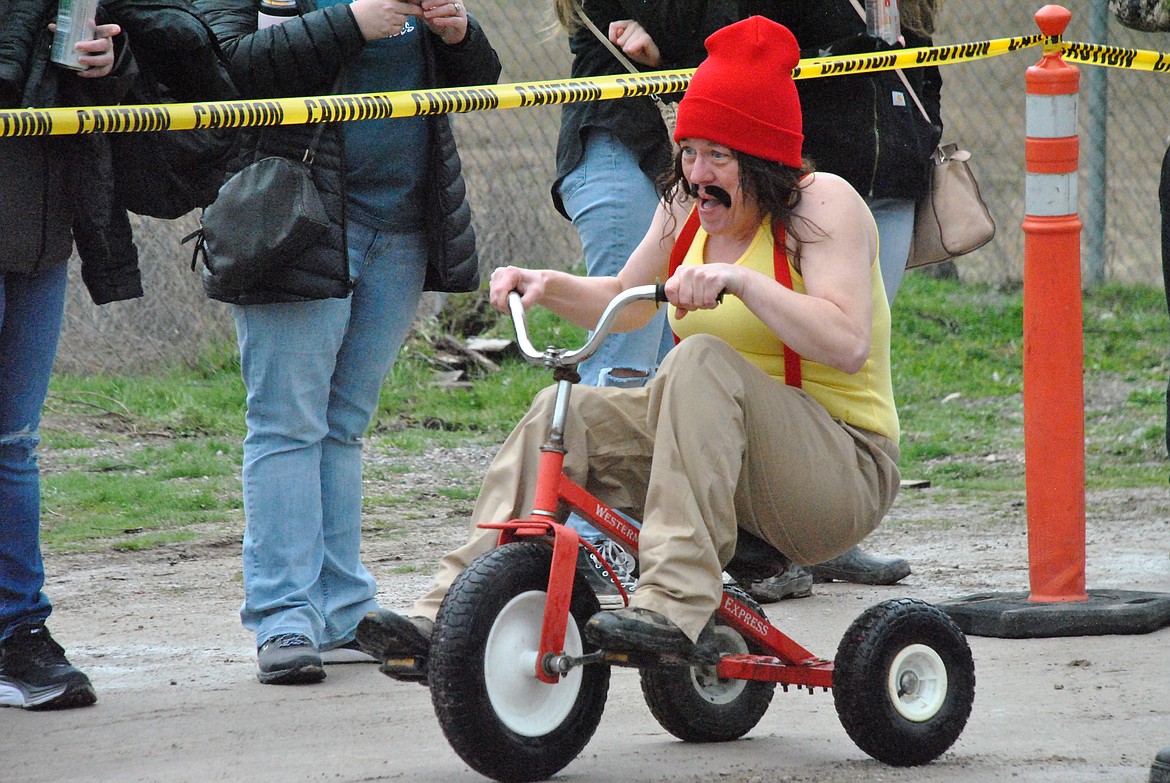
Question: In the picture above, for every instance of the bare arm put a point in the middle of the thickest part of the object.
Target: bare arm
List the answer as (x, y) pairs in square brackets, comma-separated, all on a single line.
[(582, 299), (832, 322)]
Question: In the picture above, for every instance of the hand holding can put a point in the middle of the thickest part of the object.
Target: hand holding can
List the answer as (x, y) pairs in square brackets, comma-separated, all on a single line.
[(76, 20)]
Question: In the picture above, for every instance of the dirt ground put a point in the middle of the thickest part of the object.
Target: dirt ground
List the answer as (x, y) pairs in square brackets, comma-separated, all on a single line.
[(158, 632)]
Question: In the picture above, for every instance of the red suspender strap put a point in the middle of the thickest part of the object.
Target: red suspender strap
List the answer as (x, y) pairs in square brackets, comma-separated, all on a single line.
[(683, 243), (792, 373)]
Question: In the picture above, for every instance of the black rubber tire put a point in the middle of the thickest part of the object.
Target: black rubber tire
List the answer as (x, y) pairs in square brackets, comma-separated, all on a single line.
[(903, 729), (696, 705), (459, 691)]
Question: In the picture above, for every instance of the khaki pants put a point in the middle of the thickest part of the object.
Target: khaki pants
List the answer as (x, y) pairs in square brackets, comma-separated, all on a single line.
[(712, 444)]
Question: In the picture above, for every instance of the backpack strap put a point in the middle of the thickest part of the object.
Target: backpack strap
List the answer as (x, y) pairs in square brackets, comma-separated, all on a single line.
[(783, 275)]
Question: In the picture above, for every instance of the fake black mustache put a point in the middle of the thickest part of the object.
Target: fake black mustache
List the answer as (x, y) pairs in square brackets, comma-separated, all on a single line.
[(712, 191)]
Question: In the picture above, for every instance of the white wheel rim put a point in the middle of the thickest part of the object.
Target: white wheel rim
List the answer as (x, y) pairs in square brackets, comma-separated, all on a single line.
[(524, 704), (708, 684), (917, 683)]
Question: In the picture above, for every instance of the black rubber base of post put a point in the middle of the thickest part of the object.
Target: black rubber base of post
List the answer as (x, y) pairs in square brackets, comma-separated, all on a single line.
[(1013, 616)]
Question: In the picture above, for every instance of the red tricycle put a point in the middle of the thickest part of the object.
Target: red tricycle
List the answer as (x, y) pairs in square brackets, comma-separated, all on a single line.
[(519, 691)]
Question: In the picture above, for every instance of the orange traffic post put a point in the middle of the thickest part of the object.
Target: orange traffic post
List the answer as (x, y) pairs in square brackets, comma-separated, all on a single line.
[(1054, 399), (1054, 396)]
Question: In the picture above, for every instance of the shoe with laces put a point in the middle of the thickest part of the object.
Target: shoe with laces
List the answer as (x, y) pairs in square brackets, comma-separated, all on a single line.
[(793, 582), (289, 659), (624, 566), (36, 675)]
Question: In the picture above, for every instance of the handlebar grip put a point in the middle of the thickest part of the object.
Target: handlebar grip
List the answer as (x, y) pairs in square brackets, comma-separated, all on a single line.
[(660, 294)]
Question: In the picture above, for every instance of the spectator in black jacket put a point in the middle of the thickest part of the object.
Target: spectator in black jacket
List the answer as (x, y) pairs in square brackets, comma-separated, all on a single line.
[(866, 127), (59, 190), (47, 185), (318, 335)]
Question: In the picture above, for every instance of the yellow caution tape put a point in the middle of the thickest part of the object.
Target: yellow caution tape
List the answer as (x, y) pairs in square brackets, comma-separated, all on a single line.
[(1117, 57), (912, 58), (373, 106)]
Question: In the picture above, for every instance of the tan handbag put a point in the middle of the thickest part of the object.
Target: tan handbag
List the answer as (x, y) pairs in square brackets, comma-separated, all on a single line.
[(952, 219)]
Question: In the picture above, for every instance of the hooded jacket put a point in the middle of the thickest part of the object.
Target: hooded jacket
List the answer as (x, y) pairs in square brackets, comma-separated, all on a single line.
[(303, 56)]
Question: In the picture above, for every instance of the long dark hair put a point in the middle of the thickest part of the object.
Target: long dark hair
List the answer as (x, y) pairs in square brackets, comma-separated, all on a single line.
[(774, 186)]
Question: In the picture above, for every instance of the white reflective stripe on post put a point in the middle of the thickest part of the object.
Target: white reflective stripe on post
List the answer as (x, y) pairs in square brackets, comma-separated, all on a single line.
[(1051, 116), (1050, 195)]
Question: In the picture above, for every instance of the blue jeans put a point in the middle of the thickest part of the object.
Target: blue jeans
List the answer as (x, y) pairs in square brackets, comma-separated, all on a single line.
[(895, 226), (31, 309), (313, 371), (611, 203)]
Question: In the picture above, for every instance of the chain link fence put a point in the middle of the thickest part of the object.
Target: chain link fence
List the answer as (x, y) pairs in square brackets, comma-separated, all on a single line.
[(509, 157)]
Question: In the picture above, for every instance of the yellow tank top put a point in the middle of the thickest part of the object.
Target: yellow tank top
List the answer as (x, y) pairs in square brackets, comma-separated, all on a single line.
[(864, 399)]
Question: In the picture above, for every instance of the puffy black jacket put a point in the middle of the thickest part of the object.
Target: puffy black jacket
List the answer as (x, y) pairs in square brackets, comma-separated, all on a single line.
[(852, 125), (57, 190), (303, 56), (56, 187)]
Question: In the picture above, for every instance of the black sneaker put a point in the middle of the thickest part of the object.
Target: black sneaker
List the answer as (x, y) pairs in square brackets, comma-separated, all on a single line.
[(637, 630), (35, 675), (289, 659)]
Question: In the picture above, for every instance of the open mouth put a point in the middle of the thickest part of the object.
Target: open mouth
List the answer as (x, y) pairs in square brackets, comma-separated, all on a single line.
[(709, 193)]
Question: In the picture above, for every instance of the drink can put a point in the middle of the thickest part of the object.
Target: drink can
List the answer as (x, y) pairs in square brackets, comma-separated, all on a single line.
[(273, 12), (75, 22)]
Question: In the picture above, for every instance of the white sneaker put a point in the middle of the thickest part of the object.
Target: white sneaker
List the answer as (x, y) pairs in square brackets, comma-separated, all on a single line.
[(623, 564)]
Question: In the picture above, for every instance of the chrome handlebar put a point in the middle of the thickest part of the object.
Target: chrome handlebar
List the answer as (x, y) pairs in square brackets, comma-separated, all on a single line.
[(563, 357)]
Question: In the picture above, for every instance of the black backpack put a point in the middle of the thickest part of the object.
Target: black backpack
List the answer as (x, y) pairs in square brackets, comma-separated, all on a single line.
[(166, 174)]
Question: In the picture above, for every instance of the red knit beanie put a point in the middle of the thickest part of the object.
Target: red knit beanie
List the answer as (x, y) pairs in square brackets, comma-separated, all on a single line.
[(743, 96)]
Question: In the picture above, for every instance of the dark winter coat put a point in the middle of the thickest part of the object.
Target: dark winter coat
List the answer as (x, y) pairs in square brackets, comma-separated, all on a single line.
[(853, 127), (303, 56), (679, 28), (55, 187), (57, 190)]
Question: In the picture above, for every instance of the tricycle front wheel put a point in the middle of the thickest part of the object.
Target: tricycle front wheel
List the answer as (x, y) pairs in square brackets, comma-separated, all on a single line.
[(498, 716)]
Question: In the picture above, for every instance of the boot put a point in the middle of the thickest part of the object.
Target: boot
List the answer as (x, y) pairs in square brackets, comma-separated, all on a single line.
[(859, 567), (1160, 770), (793, 582)]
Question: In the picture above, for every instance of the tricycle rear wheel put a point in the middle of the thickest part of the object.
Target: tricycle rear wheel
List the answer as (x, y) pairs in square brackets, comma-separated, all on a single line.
[(695, 704), (904, 682)]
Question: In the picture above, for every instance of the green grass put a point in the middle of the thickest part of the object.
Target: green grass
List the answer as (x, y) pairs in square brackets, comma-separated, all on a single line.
[(135, 461)]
